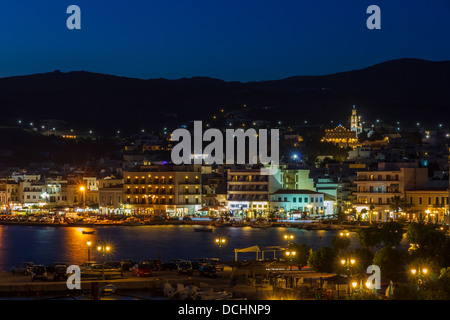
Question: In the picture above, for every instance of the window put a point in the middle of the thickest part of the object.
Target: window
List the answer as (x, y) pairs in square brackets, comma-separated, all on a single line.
[(294, 199), (300, 199), (429, 200), (420, 200)]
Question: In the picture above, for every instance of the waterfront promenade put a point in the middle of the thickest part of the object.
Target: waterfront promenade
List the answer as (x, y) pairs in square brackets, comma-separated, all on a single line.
[(20, 286)]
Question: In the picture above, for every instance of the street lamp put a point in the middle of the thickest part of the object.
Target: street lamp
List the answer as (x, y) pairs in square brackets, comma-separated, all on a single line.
[(290, 255), (89, 243), (220, 241), (103, 249), (83, 190), (348, 262), (419, 274), (344, 233), (288, 238)]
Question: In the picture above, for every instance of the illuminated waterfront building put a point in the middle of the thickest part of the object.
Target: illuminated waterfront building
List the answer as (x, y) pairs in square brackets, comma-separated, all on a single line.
[(248, 192), (429, 204), (375, 189), (293, 204), (171, 190)]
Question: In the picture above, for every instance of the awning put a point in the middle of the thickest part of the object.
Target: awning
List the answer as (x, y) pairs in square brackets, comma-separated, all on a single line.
[(249, 249), (216, 208)]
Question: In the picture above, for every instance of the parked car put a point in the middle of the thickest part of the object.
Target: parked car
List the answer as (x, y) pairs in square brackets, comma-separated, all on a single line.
[(113, 265), (39, 272), (142, 270), (216, 263), (198, 262), (98, 270), (170, 265), (154, 263), (127, 264), (185, 267), (60, 272), (207, 270), (87, 265), (23, 267), (51, 267)]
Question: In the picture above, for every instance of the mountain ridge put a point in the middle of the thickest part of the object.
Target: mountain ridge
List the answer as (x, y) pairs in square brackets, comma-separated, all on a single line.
[(107, 103)]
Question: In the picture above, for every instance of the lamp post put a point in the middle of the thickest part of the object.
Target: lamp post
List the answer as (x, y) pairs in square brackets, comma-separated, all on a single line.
[(348, 262), (419, 274), (220, 241), (290, 255), (83, 190), (89, 243), (103, 249), (288, 238)]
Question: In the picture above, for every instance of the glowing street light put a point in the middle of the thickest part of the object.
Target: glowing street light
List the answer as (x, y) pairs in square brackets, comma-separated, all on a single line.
[(419, 274), (220, 241), (288, 238), (104, 249), (89, 243), (290, 255), (83, 189)]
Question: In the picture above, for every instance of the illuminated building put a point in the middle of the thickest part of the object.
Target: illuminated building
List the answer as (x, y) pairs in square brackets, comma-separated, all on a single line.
[(296, 179), (355, 124), (172, 190), (341, 136), (248, 192), (298, 203), (430, 204), (376, 188)]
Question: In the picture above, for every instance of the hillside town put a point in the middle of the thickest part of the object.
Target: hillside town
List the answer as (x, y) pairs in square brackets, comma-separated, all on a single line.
[(365, 171)]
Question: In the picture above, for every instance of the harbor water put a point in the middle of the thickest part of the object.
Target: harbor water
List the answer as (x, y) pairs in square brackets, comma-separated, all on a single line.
[(47, 244)]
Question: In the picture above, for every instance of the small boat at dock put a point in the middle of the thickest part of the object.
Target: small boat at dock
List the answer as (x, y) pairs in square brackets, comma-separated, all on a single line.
[(202, 229), (87, 232)]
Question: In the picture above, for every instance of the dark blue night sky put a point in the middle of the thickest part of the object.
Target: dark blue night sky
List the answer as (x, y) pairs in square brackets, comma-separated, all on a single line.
[(231, 40)]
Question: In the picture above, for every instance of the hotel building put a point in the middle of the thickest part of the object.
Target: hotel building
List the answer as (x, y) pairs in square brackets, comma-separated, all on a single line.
[(375, 189), (167, 190), (248, 192)]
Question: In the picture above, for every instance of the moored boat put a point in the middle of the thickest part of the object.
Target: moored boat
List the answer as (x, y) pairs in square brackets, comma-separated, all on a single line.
[(202, 229)]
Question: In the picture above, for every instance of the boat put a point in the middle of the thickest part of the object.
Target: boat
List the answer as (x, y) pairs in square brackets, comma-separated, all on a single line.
[(87, 232), (238, 224), (132, 221), (261, 224), (202, 229)]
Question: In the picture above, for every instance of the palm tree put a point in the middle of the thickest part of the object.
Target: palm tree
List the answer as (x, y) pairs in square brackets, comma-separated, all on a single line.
[(371, 207), (397, 204)]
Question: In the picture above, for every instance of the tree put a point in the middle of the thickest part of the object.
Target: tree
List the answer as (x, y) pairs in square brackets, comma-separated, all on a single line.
[(340, 243), (322, 260), (391, 262), (392, 233), (369, 237), (431, 242), (363, 257), (371, 207), (397, 204), (302, 254)]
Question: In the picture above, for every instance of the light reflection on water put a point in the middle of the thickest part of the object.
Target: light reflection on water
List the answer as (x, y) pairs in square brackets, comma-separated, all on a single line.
[(68, 244)]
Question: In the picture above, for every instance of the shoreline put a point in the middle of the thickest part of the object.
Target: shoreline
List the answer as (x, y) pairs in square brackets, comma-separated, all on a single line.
[(296, 225)]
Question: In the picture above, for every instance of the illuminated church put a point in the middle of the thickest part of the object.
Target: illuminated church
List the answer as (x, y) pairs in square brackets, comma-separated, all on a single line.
[(345, 137), (355, 124)]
